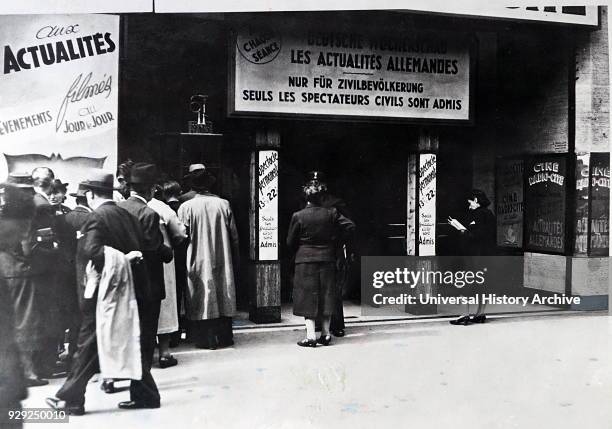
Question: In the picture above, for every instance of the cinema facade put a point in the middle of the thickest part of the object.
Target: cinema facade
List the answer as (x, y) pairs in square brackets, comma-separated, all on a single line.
[(406, 112)]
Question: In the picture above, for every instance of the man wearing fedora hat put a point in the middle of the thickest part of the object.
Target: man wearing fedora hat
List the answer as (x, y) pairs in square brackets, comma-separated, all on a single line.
[(142, 181), (212, 258), (112, 226), (193, 170)]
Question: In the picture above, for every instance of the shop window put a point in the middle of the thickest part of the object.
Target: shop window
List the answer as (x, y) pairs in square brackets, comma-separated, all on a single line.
[(531, 204)]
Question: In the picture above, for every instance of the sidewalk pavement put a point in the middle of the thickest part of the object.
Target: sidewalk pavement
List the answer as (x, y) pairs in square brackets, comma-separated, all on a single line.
[(527, 372)]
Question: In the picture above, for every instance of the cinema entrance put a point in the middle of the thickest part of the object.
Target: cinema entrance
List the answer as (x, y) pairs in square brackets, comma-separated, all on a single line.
[(365, 168), (368, 166)]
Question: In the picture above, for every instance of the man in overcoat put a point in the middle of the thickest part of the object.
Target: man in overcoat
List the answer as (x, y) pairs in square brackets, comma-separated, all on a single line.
[(155, 253), (108, 225)]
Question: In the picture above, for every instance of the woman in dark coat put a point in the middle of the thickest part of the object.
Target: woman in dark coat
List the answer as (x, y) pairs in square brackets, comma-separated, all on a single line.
[(313, 233), (477, 238)]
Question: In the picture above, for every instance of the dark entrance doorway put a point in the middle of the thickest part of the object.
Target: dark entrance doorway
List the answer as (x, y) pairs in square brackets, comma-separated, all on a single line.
[(366, 166)]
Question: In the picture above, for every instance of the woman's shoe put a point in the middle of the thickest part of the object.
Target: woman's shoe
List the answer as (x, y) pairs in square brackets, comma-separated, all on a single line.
[(479, 318), (325, 340), (463, 320), (307, 343)]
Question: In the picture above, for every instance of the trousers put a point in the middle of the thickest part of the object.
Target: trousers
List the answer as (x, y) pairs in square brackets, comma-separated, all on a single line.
[(145, 390)]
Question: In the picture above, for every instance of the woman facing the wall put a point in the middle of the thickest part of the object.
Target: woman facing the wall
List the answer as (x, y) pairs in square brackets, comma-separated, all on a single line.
[(313, 234)]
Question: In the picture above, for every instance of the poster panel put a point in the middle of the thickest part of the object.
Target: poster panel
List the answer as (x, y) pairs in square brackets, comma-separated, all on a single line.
[(600, 204), (546, 182), (313, 70), (581, 228), (427, 204), (509, 202), (268, 205), (58, 94)]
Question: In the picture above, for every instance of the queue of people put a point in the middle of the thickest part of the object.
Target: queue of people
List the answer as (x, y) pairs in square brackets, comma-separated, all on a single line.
[(96, 288), (68, 276)]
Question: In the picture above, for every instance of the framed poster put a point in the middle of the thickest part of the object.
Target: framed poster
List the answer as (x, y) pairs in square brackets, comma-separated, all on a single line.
[(545, 203), (509, 202), (600, 204)]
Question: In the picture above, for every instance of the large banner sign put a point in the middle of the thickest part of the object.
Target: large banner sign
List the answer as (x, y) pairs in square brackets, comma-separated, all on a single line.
[(58, 94), (411, 74)]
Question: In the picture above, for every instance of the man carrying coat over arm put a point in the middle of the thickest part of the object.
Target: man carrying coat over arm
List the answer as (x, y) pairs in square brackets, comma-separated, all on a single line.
[(142, 184), (107, 226)]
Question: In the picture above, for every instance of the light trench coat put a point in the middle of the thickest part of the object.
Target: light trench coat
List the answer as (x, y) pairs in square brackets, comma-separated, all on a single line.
[(211, 256), (174, 232)]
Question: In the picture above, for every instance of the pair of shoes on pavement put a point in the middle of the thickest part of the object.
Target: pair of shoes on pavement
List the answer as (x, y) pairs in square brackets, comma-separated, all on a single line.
[(468, 319), (323, 339), (79, 410)]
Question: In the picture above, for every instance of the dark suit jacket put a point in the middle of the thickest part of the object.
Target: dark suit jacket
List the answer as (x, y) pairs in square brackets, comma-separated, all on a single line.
[(44, 214), (44, 257), (74, 222), (110, 225), (77, 217), (154, 251)]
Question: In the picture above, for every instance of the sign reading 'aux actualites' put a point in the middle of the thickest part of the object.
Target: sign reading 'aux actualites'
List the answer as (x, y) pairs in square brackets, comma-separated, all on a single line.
[(58, 94), (415, 75)]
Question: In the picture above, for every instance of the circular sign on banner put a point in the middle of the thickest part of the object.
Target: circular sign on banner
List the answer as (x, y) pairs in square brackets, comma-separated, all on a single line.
[(259, 46)]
